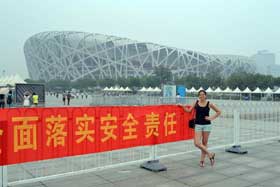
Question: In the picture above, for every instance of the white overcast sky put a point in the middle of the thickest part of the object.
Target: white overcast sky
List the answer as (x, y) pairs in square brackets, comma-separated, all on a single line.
[(240, 27)]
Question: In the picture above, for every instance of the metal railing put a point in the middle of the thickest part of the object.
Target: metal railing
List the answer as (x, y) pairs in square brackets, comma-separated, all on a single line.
[(241, 122), (99, 100)]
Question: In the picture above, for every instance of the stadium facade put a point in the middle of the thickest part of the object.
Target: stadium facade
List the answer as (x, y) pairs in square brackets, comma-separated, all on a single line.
[(78, 55)]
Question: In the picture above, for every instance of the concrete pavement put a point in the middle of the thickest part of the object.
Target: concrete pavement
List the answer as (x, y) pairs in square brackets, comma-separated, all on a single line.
[(260, 167)]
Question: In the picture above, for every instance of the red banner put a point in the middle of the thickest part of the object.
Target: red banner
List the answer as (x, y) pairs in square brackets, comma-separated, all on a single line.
[(31, 134)]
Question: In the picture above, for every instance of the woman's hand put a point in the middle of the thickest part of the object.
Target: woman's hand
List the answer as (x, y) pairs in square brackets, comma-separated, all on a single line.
[(209, 118)]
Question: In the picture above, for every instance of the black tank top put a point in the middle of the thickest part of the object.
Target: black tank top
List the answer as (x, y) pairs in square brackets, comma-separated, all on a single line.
[(201, 112)]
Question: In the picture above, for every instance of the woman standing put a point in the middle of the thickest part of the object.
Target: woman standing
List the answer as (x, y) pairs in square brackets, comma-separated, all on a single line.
[(26, 99), (35, 99), (203, 125)]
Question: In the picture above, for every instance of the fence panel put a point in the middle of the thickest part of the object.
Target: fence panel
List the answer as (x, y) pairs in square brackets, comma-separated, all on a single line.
[(259, 121)]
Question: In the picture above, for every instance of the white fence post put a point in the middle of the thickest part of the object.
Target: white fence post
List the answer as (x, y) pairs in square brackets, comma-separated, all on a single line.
[(278, 119), (236, 148), (154, 152), (236, 127), (3, 176)]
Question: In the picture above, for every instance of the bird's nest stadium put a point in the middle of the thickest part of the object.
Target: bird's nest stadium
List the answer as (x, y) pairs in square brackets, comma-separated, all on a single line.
[(77, 55)]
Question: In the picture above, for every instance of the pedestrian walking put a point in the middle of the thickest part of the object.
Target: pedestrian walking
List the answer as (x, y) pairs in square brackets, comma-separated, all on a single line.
[(64, 98), (68, 98), (2, 100), (10, 99)]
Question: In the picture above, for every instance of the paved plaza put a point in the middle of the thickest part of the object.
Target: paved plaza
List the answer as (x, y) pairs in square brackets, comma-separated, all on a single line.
[(257, 168)]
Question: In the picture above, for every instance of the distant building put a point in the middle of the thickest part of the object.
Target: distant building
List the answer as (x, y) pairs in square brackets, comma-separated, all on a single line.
[(78, 55), (265, 63)]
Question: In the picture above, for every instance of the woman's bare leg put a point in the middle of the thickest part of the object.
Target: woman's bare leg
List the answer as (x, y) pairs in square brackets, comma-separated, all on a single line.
[(205, 137), (198, 144)]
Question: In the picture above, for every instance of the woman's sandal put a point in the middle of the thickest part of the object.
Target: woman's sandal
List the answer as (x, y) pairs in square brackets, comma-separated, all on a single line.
[(201, 164), (212, 159)]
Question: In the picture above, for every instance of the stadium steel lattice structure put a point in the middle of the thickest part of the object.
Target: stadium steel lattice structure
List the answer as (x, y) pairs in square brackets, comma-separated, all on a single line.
[(78, 55)]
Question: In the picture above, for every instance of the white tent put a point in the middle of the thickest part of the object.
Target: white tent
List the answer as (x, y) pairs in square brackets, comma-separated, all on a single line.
[(127, 89), (18, 79), (116, 89), (192, 90), (106, 89), (111, 89), (157, 89), (218, 90), (150, 89), (200, 88), (236, 90), (227, 90), (277, 91), (143, 89), (268, 91), (247, 90), (121, 89), (209, 90), (4, 90), (257, 91)]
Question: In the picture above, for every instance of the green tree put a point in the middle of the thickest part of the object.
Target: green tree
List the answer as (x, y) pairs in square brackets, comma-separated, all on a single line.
[(58, 84), (163, 74), (152, 81), (122, 81), (237, 79), (276, 81), (106, 82), (134, 82), (213, 79), (84, 83), (189, 81)]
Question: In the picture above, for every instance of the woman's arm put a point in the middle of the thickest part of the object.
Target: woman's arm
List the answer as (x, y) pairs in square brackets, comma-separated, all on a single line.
[(216, 109), (188, 109)]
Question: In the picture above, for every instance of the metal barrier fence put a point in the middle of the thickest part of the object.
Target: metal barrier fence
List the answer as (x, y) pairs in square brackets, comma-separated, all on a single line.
[(241, 122), (140, 100)]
